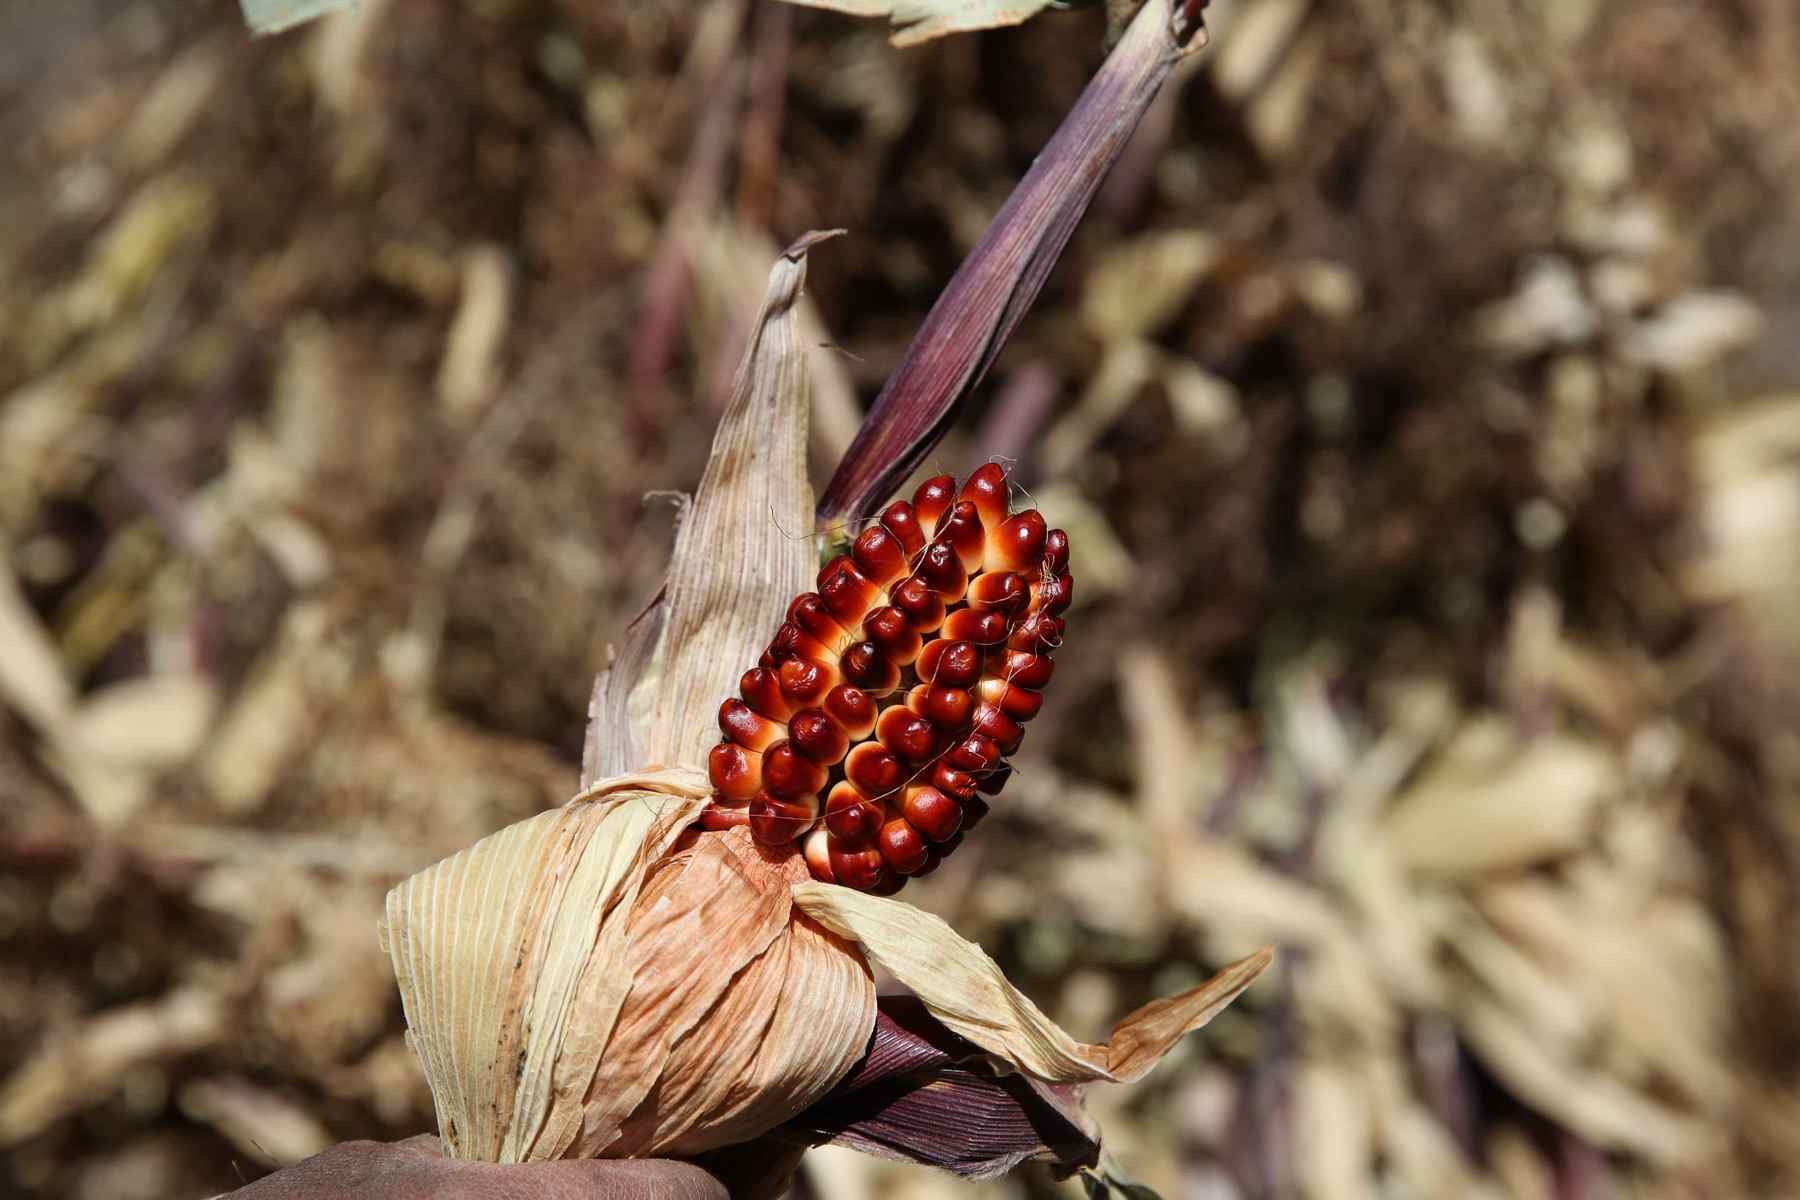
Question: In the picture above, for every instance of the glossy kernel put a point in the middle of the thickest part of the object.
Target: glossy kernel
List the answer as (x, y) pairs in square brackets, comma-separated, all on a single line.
[(851, 708), (931, 812), (933, 500), (746, 727), (900, 520), (815, 734), (851, 816), (906, 735), (902, 846), (873, 769), (736, 773), (788, 774), (879, 555), (777, 822), (1016, 544), (986, 490)]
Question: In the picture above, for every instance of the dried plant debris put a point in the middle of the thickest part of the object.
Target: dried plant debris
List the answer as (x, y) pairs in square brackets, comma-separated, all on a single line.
[(1419, 399)]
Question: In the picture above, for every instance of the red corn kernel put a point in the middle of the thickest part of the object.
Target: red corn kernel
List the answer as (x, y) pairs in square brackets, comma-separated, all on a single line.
[(864, 870), (990, 723), (873, 769), (817, 849), (1037, 633), (986, 489), (900, 520), (893, 634), (719, 818), (947, 707), (747, 728), (788, 774), (879, 555), (816, 735), (975, 754), (847, 592), (962, 529), (1026, 670), (777, 822), (851, 816), (791, 641), (804, 681), (1056, 551), (931, 812), (933, 500), (887, 885), (952, 782), (1021, 704), (915, 697), (990, 785), (923, 608), (902, 846), (1002, 591), (984, 627), (951, 663), (943, 572), (808, 611), (761, 690), (851, 708), (736, 773), (864, 666), (906, 735), (1053, 595), (1015, 544)]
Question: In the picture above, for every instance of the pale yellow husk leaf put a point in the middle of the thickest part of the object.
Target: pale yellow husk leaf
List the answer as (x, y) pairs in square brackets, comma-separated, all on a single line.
[(599, 981), (966, 990)]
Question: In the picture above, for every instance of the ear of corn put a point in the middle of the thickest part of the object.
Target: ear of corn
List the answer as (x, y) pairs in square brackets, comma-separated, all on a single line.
[(887, 703), (667, 965)]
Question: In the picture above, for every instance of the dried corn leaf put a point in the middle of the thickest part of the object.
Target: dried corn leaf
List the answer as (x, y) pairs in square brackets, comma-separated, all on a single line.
[(966, 990), (490, 957), (743, 551), (68, 1073), (918, 21), (1491, 804)]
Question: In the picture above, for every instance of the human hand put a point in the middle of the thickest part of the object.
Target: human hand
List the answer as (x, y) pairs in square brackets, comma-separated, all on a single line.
[(417, 1170)]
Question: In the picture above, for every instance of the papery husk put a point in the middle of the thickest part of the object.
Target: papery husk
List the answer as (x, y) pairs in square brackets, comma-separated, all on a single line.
[(967, 992), (601, 981), (744, 549)]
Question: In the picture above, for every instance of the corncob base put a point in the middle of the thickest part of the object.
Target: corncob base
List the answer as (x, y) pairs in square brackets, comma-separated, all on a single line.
[(898, 689)]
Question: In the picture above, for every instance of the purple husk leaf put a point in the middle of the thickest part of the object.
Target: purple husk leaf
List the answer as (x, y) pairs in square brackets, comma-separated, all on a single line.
[(997, 282), (922, 1094)]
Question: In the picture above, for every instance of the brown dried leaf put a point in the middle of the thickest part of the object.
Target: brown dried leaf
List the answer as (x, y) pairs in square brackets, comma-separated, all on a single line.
[(743, 551)]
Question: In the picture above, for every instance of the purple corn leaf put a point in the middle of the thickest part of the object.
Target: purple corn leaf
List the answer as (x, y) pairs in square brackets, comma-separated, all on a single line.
[(922, 1094), (996, 284)]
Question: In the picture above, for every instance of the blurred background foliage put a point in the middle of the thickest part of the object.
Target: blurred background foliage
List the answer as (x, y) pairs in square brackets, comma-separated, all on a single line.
[(1423, 396)]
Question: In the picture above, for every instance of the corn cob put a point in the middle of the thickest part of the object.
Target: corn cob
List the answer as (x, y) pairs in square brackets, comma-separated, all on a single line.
[(898, 689)]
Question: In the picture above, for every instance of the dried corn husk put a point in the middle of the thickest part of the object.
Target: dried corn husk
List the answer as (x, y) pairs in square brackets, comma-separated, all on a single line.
[(591, 982)]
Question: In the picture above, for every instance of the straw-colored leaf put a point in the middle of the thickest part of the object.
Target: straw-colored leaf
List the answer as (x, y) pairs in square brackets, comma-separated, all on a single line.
[(490, 956), (743, 551), (966, 990)]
